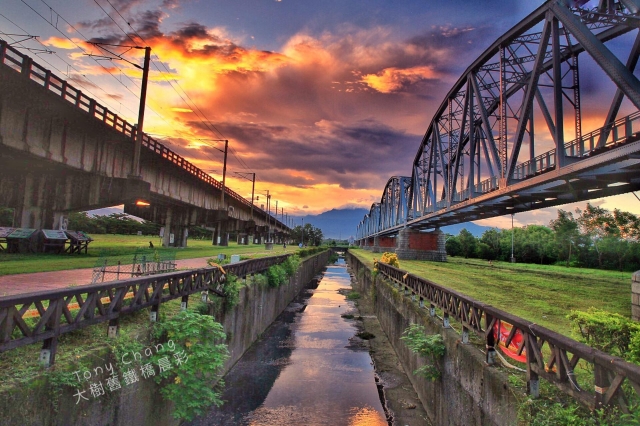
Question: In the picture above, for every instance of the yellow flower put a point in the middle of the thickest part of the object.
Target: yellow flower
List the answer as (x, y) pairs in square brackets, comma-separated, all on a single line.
[(188, 344), (177, 380)]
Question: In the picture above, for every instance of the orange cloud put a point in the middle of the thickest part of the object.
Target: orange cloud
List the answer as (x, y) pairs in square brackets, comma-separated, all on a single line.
[(394, 79)]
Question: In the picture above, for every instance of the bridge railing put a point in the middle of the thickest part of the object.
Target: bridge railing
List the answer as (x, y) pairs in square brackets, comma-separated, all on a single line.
[(549, 355), (45, 78), (63, 311)]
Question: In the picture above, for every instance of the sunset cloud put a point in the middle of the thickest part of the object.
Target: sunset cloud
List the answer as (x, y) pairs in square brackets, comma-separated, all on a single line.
[(394, 79)]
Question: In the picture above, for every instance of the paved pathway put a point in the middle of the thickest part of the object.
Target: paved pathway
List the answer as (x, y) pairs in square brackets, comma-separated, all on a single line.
[(40, 281)]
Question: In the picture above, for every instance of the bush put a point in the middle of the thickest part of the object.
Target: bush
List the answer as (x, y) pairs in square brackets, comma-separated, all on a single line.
[(195, 359), (430, 347), (608, 332), (231, 290), (276, 275), (291, 265)]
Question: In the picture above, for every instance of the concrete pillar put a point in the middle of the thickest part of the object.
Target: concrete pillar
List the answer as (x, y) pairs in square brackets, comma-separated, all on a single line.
[(376, 244), (166, 238), (635, 296), (415, 245), (222, 235)]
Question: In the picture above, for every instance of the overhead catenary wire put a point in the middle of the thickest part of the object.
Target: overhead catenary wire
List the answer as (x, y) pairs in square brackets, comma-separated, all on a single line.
[(69, 65), (173, 82)]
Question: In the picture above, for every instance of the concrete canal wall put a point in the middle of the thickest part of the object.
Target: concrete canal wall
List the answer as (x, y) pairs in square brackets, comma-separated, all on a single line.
[(469, 392), (37, 403)]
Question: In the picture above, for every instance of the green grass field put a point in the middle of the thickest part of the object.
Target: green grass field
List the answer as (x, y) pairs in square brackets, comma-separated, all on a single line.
[(538, 293), (124, 246)]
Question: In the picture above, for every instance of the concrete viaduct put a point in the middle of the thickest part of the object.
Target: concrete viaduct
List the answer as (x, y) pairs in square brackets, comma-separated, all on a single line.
[(61, 151)]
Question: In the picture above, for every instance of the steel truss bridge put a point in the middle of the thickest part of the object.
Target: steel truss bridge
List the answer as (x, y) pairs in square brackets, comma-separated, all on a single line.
[(509, 136)]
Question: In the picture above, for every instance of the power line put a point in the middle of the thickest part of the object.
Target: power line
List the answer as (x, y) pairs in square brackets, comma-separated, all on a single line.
[(79, 82)]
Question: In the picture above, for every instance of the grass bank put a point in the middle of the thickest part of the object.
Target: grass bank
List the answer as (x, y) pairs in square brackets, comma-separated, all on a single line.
[(539, 293), (124, 245)]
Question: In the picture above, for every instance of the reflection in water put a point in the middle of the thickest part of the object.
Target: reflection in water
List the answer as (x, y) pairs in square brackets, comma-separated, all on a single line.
[(305, 370)]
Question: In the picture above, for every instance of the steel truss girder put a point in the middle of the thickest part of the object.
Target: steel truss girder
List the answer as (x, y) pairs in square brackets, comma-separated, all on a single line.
[(473, 145)]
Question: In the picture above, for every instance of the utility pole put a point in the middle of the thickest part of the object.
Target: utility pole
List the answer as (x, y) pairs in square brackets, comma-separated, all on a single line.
[(253, 186), (224, 172), (137, 148), (302, 229)]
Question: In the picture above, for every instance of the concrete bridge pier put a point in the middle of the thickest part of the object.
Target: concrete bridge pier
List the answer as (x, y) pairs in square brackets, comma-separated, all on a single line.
[(383, 244), (415, 245), (221, 235), (175, 224)]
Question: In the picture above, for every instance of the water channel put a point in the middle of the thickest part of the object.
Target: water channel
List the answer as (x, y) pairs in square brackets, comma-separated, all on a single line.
[(309, 367)]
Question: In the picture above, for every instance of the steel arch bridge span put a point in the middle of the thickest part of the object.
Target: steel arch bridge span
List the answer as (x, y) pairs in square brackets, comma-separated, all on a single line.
[(512, 134), (391, 211)]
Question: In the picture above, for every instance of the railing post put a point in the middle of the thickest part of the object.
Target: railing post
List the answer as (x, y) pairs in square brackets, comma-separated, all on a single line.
[(3, 50), (184, 303), (50, 345), (47, 79), (465, 335), (445, 320), (26, 66), (153, 315), (533, 381), (601, 384), (432, 310), (490, 339), (421, 303)]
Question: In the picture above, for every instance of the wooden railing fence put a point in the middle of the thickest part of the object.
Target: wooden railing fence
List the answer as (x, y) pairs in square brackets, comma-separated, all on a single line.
[(549, 355), (63, 311)]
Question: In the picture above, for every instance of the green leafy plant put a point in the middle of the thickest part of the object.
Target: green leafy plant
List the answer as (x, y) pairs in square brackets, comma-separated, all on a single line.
[(191, 346), (260, 279), (353, 295), (430, 347), (124, 345), (276, 275), (291, 265), (608, 332), (231, 290)]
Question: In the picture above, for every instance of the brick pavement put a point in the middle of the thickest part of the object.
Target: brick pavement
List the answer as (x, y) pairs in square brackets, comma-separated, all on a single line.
[(41, 281)]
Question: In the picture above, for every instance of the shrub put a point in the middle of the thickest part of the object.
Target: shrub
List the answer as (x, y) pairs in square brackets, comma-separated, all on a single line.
[(430, 347), (231, 290), (276, 276), (194, 362), (291, 265), (608, 332)]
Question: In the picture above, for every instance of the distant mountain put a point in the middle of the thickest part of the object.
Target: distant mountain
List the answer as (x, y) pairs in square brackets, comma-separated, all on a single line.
[(342, 223), (335, 223), (476, 230)]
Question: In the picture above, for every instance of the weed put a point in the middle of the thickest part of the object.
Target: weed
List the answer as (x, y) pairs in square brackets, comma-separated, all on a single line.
[(354, 295), (196, 362), (430, 347)]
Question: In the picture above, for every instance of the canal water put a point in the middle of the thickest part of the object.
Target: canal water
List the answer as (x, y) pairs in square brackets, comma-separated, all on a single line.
[(309, 367)]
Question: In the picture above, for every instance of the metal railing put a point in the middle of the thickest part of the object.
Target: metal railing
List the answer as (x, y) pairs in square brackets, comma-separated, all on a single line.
[(549, 355), (63, 311), (35, 72)]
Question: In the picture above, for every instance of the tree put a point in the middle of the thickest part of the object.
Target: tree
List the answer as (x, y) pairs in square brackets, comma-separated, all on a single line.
[(467, 243), (6, 216), (453, 246), (597, 224), (566, 233), (489, 247)]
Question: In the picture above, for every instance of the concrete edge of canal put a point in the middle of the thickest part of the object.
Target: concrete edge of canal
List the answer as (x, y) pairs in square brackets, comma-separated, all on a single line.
[(140, 403), (469, 391)]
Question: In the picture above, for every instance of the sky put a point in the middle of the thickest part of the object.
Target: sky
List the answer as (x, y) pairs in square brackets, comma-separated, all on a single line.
[(324, 101)]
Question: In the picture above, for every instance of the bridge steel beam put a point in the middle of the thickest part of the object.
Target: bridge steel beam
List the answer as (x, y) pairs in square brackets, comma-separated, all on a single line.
[(528, 79)]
